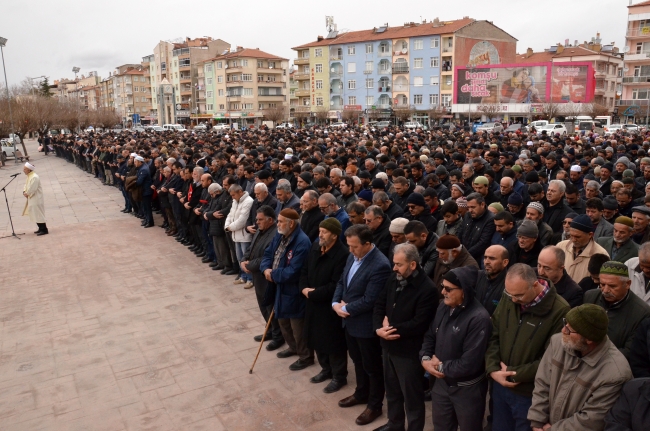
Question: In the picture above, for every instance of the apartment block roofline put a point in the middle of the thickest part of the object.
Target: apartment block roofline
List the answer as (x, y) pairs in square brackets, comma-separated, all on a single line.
[(643, 3), (246, 53), (435, 27)]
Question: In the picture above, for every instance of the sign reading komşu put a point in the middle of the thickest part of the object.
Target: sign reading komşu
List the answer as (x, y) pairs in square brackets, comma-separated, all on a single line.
[(525, 83)]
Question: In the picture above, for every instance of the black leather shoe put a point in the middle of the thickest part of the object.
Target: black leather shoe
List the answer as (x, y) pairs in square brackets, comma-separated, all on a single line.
[(43, 232), (206, 259), (192, 248), (224, 271), (384, 427), (367, 416), (301, 364), (321, 377), (286, 353), (214, 265), (351, 401), (232, 272), (149, 225), (258, 338), (334, 386), (216, 268), (143, 223), (274, 345), (200, 254)]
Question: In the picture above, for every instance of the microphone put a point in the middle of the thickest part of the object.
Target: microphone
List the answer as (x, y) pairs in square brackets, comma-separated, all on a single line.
[(14, 175)]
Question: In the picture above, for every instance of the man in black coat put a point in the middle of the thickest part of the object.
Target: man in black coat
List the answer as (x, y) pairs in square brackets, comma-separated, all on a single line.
[(323, 327), (266, 230), (491, 280), (262, 197), (402, 314), (311, 215), (379, 223), (556, 209), (420, 211), (478, 226), (416, 233), (550, 265)]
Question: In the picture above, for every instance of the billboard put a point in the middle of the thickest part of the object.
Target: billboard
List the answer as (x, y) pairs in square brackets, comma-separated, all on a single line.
[(525, 83)]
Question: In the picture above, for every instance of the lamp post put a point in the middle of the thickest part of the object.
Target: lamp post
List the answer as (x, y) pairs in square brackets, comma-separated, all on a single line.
[(76, 70), (3, 43)]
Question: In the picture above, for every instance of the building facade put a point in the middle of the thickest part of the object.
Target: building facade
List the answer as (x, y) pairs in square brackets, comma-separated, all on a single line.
[(634, 105)]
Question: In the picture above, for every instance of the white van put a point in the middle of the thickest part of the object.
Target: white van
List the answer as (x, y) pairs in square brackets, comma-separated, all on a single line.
[(174, 127), (536, 124)]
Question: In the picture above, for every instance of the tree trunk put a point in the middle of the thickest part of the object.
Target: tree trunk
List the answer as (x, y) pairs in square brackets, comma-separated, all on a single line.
[(22, 142)]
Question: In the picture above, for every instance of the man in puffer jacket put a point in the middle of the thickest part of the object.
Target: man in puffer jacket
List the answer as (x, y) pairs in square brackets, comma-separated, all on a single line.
[(453, 352), (236, 225)]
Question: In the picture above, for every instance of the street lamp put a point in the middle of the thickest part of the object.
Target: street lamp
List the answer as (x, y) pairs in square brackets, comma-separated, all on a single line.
[(3, 43)]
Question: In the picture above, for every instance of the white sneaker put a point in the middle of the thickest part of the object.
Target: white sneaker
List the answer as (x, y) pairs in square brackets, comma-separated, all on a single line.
[(238, 281), (248, 285)]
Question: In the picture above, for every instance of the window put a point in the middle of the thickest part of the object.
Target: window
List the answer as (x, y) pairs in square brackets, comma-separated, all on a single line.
[(446, 100), (305, 101), (435, 42), (352, 84), (247, 106), (272, 105), (219, 78), (352, 50), (417, 63), (368, 48), (246, 77), (435, 80), (260, 106), (370, 82), (244, 63), (319, 101), (136, 89), (435, 62), (208, 94), (234, 106), (417, 99), (384, 48), (319, 84), (418, 81), (433, 99), (352, 100), (639, 47), (370, 100), (418, 44), (222, 106), (220, 93), (248, 92), (352, 67), (208, 67), (319, 68), (208, 81), (219, 65), (271, 64), (318, 52), (209, 107)]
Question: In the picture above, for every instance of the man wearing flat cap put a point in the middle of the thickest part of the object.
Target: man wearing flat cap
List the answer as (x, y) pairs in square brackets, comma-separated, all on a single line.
[(281, 265), (581, 353), (580, 247), (624, 309), (35, 204), (620, 246)]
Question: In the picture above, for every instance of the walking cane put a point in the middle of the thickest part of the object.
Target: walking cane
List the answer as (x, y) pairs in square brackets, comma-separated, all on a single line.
[(262, 342)]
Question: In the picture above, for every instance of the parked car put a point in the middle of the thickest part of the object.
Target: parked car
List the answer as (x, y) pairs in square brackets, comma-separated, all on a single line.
[(222, 126), (413, 125), (553, 129), (200, 128), (7, 148), (630, 127), (513, 128), (613, 129), (284, 126), (339, 125), (536, 124), (117, 128), (490, 128), (382, 124), (157, 129), (138, 129)]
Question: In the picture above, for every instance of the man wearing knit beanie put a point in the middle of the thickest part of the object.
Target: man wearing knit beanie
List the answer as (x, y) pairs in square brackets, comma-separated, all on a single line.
[(396, 230), (580, 247), (580, 353), (620, 246), (625, 310)]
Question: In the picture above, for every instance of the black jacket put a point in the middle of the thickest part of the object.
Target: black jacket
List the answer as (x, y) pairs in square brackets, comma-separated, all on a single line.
[(632, 409), (518, 255), (569, 290), (490, 291), (270, 201), (409, 311), (459, 337), (425, 217), (381, 237), (640, 351), (394, 211), (429, 254), (309, 222), (323, 327), (477, 233), (554, 215), (254, 256)]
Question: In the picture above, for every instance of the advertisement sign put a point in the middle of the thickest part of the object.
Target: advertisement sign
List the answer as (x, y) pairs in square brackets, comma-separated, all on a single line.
[(352, 107), (530, 83)]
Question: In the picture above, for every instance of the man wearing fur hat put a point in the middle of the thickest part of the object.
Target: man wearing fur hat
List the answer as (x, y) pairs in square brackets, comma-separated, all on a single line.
[(581, 353), (35, 205)]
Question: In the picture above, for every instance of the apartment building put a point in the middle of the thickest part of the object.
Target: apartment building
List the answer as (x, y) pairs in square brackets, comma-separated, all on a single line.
[(634, 105), (293, 98), (244, 83), (131, 93), (385, 68), (174, 76), (64, 87)]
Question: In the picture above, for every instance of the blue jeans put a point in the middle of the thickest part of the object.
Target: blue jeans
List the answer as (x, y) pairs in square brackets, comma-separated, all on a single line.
[(240, 249), (510, 410)]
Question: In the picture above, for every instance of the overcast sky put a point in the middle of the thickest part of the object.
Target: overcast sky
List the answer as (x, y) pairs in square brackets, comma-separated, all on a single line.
[(50, 37)]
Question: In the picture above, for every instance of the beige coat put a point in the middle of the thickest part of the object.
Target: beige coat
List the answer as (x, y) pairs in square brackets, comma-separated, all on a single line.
[(35, 205), (573, 393), (577, 268)]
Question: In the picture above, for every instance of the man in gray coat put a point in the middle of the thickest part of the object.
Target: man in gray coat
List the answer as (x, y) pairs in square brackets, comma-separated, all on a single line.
[(595, 210), (620, 246)]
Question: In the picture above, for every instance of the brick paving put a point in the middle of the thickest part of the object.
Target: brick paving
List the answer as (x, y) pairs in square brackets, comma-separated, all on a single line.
[(108, 326)]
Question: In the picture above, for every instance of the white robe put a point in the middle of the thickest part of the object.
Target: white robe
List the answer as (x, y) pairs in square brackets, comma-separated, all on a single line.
[(35, 205)]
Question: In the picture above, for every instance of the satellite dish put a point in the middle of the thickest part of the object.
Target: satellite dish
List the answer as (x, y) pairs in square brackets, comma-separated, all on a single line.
[(626, 69), (332, 70), (403, 50), (626, 49)]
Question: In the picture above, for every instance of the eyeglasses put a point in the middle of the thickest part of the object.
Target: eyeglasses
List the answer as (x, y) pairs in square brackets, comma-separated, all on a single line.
[(564, 322), (410, 206), (323, 208), (566, 223), (451, 289), (369, 220), (517, 297)]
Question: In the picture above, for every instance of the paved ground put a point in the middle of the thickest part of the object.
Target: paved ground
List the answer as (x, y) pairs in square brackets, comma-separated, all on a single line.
[(108, 326)]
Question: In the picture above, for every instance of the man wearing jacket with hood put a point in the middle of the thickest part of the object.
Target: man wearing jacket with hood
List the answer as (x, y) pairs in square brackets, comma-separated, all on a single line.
[(522, 328), (453, 352), (402, 314)]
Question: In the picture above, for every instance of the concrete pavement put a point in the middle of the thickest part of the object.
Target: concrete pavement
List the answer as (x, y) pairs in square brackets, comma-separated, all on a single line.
[(108, 326)]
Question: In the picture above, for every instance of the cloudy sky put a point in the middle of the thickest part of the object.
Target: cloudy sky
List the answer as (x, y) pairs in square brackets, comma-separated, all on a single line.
[(51, 37)]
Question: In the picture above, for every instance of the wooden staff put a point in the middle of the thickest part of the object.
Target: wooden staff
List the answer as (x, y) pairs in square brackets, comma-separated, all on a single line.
[(262, 342)]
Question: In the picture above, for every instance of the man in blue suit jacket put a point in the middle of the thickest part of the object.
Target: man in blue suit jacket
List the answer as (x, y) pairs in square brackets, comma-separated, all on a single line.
[(281, 265), (144, 181), (363, 278)]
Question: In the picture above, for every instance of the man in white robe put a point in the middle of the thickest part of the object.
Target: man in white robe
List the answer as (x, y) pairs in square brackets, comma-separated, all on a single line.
[(35, 205)]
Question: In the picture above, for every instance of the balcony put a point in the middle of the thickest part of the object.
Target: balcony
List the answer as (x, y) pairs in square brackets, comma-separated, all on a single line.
[(273, 83), (636, 80), (600, 74), (302, 93), (400, 68), (600, 91), (185, 78), (638, 57), (638, 33), (272, 97), (383, 105), (300, 76), (367, 72), (336, 57), (384, 88), (184, 66), (336, 74), (301, 60), (638, 102), (386, 53)]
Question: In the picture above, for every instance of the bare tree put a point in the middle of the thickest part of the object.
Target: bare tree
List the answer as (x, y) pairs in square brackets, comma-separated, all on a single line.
[(550, 110), (572, 109), (301, 115), (403, 113), (595, 110), (276, 114), (436, 113), (490, 110), (349, 115), (321, 114)]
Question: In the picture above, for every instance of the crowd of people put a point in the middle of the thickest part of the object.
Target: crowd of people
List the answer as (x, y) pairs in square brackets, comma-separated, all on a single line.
[(505, 277)]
